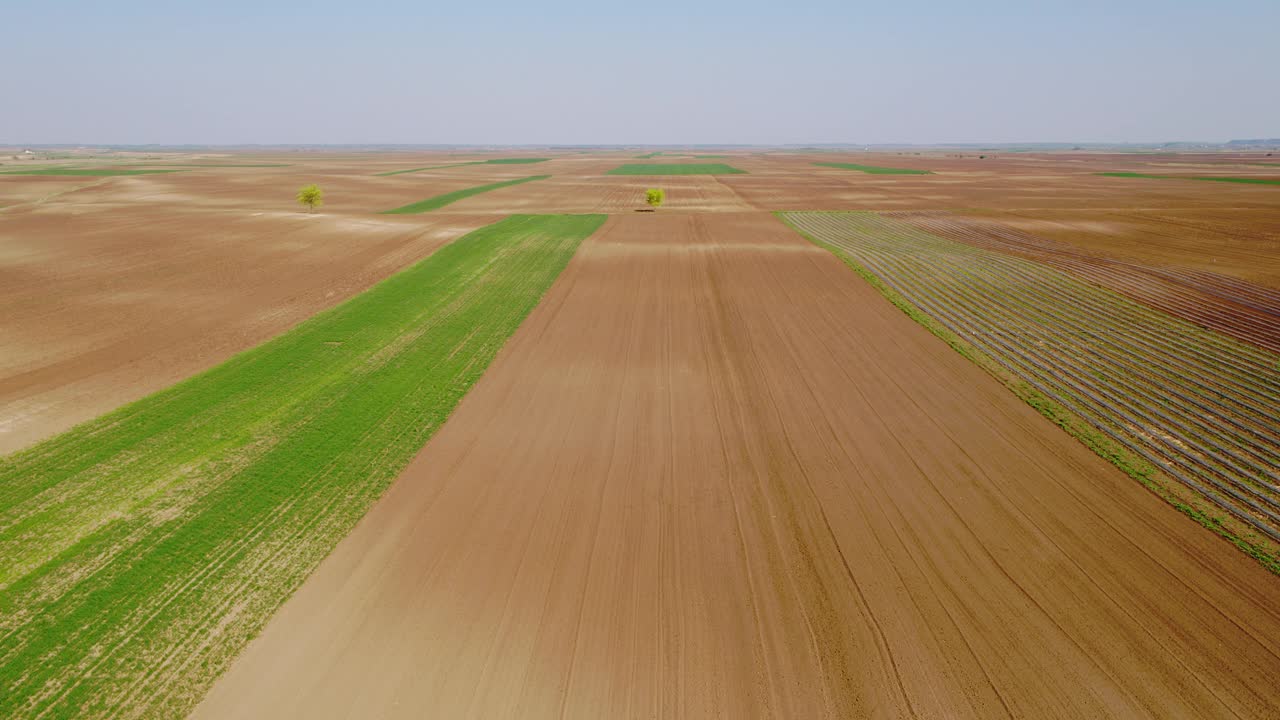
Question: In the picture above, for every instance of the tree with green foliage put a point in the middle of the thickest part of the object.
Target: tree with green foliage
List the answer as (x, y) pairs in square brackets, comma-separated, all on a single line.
[(311, 196), (654, 196)]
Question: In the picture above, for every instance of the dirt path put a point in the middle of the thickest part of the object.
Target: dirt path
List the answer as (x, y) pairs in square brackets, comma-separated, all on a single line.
[(716, 475)]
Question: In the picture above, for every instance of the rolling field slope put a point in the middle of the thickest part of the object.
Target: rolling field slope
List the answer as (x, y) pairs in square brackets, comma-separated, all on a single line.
[(110, 298), (140, 551), (715, 474)]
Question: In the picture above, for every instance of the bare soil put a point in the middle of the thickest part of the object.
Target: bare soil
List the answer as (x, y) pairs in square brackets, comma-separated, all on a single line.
[(127, 286), (716, 475), (713, 475)]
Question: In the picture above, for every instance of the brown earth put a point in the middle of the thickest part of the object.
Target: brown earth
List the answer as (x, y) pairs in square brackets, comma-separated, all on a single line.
[(1243, 310), (1244, 244), (716, 475), (104, 306), (107, 303)]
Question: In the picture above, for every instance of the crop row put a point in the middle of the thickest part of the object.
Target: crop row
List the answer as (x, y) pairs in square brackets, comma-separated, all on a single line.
[(1233, 307), (139, 552), (1197, 405)]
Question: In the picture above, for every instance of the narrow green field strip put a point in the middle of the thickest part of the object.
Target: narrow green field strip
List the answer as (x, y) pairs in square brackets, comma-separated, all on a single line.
[(873, 170), (429, 167), (214, 165), (675, 169), (514, 161), (496, 161), (440, 201), (648, 156), (1210, 178), (89, 172), (141, 551)]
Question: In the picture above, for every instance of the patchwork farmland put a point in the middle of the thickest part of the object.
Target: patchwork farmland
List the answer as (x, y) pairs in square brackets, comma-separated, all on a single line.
[(827, 434)]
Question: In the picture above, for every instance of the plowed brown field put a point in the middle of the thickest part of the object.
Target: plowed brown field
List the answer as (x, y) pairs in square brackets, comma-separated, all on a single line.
[(716, 475), (104, 303)]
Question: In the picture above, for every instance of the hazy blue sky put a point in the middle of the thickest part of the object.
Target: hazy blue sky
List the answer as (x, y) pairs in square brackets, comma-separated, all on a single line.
[(648, 71)]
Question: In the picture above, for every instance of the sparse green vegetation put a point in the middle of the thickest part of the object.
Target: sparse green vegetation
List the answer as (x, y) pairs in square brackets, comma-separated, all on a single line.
[(675, 169), (86, 172), (514, 161), (440, 201), (141, 551), (420, 169), (495, 161), (214, 165), (873, 170), (1211, 178)]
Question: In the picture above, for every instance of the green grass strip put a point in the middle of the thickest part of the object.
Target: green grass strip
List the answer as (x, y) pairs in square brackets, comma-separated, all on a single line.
[(495, 161), (214, 165), (90, 172), (1210, 178), (439, 201), (648, 156), (675, 169), (1128, 462), (873, 170), (514, 161), (429, 167), (141, 551)]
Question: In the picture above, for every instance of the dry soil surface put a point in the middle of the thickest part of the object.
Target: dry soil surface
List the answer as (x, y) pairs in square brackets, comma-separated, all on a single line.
[(106, 301), (716, 475)]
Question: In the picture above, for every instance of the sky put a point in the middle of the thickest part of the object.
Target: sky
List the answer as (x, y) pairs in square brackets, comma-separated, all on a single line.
[(651, 72)]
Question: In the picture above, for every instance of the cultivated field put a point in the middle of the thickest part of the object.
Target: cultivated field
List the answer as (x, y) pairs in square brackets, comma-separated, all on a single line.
[(715, 473), (1186, 403), (143, 549), (830, 434)]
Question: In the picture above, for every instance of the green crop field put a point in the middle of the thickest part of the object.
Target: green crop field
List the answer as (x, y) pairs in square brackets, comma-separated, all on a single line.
[(214, 165), (439, 201), (514, 161), (420, 169), (1210, 178), (675, 169), (139, 552), (874, 170), (85, 172), (495, 161)]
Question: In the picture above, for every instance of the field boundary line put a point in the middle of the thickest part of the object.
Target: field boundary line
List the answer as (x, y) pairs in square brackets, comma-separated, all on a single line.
[(1126, 461)]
